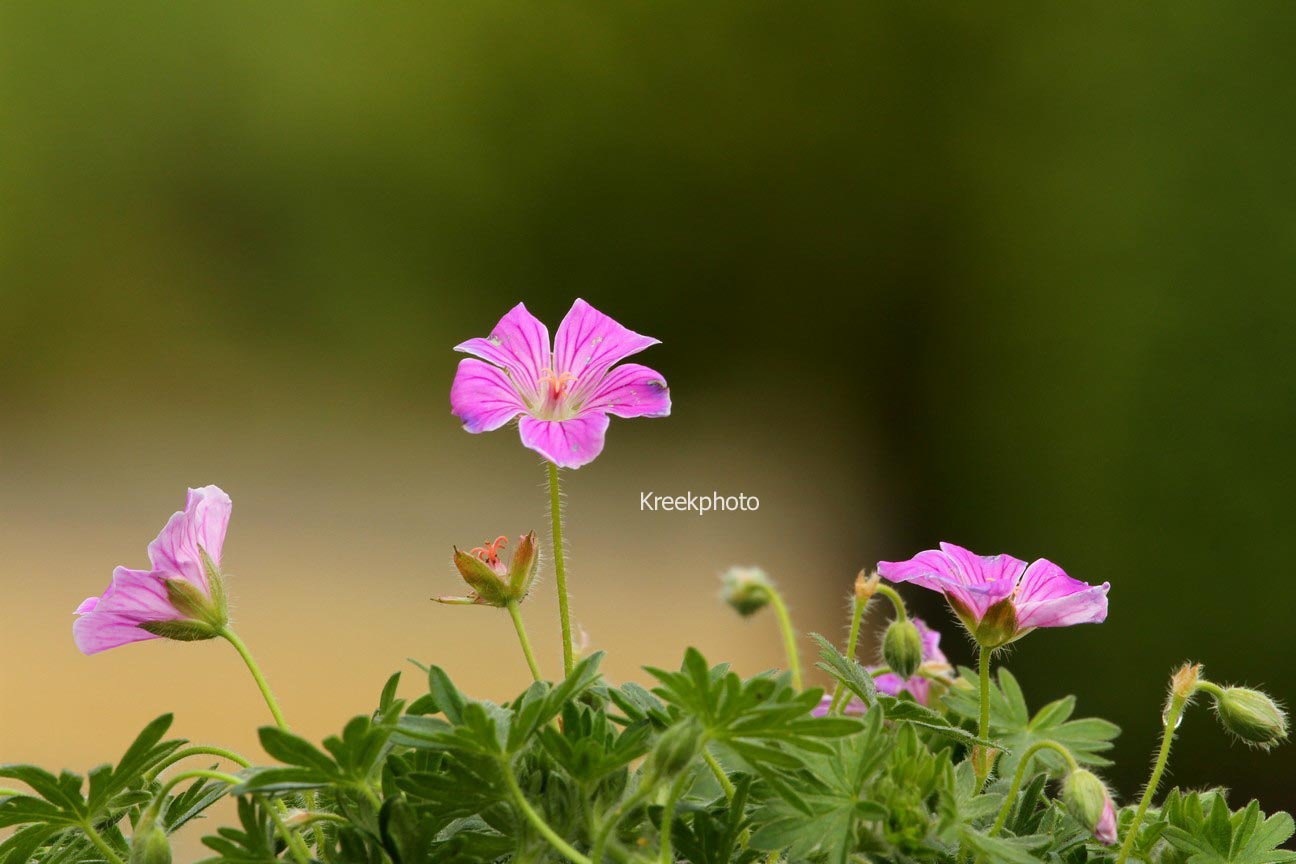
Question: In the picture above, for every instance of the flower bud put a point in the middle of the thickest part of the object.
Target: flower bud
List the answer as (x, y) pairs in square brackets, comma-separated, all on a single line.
[(493, 583), (1251, 716), (866, 586), (1087, 800), (902, 648), (677, 747), (746, 589), (150, 845)]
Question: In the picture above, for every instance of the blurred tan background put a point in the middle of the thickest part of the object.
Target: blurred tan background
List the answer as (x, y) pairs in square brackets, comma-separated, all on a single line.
[(1019, 279)]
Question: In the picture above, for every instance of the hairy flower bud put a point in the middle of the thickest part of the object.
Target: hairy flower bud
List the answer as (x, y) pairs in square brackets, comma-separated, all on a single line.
[(1088, 801), (150, 845), (866, 586), (677, 747), (746, 589), (902, 648), (1251, 716)]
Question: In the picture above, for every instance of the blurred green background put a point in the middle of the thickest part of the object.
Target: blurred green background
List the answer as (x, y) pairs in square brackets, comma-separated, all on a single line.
[(1017, 277)]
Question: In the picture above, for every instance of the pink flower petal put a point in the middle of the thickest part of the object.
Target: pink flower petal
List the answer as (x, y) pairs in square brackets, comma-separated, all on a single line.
[(566, 443), (483, 397), (519, 344), (203, 523), (589, 343), (940, 571), (631, 390), (133, 598), (984, 568), (1105, 831), (1048, 597)]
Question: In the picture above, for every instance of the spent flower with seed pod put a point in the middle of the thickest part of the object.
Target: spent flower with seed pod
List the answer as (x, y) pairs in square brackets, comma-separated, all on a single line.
[(493, 582), (1000, 598), (181, 596), (564, 390)]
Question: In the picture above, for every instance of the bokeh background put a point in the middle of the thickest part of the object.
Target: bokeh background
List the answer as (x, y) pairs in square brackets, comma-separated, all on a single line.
[(1017, 277)]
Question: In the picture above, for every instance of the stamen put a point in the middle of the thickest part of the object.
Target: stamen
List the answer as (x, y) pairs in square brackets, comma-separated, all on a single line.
[(490, 552), (560, 382)]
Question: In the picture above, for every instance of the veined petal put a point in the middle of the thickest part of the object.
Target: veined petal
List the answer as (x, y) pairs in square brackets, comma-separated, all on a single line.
[(984, 568), (134, 597), (203, 523), (519, 344), (483, 397), (566, 443), (631, 390), (1048, 597), (589, 343)]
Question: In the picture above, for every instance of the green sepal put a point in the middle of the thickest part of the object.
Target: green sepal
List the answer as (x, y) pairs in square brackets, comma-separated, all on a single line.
[(216, 584), (484, 581), (523, 566), (186, 630), (190, 600)]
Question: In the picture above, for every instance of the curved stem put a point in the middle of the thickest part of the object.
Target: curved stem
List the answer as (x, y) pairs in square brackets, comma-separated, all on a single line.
[(721, 777), (666, 856), (199, 750), (101, 844), (1177, 704), (789, 635), (194, 775), (852, 645), (560, 567), (536, 820), (1002, 818), (608, 827), (231, 637), (516, 614), (295, 843), (896, 600)]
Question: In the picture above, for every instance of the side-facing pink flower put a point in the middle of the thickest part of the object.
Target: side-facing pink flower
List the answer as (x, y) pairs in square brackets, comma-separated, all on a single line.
[(181, 597), (1000, 598), (564, 390), (934, 662)]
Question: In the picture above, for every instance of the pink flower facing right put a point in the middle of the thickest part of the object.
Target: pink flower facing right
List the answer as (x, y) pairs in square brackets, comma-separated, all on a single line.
[(564, 390), (181, 597), (1000, 598)]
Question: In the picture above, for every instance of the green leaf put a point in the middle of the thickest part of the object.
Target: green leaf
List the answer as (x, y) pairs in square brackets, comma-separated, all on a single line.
[(293, 750), (851, 674)]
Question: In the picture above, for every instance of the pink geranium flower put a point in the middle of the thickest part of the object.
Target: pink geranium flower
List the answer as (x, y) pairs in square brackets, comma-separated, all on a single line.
[(1000, 598), (181, 597), (564, 390)]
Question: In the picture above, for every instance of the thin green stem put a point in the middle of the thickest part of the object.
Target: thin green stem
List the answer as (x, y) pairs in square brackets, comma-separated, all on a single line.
[(516, 614), (101, 844), (231, 637), (536, 820), (200, 750), (560, 567), (721, 777), (983, 662), (6, 791), (608, 827), (896, 600), (193, 775), (666, 856), (852, 645), (789, 635), (295, 843), (1002, 818), (1172, 716)]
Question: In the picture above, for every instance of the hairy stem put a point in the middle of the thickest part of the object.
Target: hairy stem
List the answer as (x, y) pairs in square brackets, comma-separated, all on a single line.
[(789, 635), (516, 614), (537, 821), (609, 827), (200, 750), (852, 645), (231, 637), (1176, 708), (983, 664), (101, 844), (560, 568), (1002, 818), (668, 817), (896, 600), (721, 777)]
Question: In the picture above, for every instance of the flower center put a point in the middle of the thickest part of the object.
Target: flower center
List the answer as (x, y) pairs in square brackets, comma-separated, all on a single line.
[(490, 551), (560, 383)]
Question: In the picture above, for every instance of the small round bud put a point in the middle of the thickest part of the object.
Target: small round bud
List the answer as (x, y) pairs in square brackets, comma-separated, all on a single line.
[(677, 747), (150, 845), (1251, 716), (1088, 801), (902, 648), (746, 589)]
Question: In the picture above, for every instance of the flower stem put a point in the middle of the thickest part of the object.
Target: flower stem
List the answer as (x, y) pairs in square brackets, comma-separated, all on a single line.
[(536, 820), (789, 635), (1002, 819), (560, 567), (101, 844), (852, 645), (896, 600), (609, 827), (983, 663), (1172, 715), (668, 817), (721, 777), (231, 637), (204, 750), (516, 614)]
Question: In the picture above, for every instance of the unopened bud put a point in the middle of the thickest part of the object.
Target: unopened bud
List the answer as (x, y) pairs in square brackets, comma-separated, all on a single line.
[(746, 589), (1251, 716), (902, 648), (1183, 683), (676, 749), (866, 586), (150, 845), (1088, 801)]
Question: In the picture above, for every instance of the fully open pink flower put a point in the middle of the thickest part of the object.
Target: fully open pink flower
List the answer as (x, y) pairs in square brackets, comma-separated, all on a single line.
[(565, 390), (174, 599), (1000, 598)]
